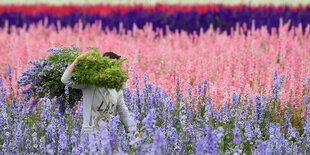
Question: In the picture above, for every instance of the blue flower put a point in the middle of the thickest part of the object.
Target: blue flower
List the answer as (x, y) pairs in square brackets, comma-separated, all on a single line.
[(237, 136), (42, 145), (53, 49), (234, 99), (205, 87), (190, 91), (1, 82), (258, 105), (306, 100), (159, 144), (199, 90), (145, 77), (10, 73), (66, 90), (210, 146), (275, 83)]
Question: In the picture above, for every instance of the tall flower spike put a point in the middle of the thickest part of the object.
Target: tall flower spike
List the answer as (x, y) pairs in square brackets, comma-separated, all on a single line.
[(281, 81), (145, 77), (234, 99), (10, 73), (237, 136), (308, 80), (305, 100), (275, 83), (199, 90), (190, 91), (66, 90), (258, 105), (205, 87)]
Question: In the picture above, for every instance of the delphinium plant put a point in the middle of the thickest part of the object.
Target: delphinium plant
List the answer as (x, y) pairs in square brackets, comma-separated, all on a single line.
[(245, 124)]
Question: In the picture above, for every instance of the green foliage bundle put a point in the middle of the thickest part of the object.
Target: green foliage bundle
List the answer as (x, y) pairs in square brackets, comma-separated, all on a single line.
[(93, 69)]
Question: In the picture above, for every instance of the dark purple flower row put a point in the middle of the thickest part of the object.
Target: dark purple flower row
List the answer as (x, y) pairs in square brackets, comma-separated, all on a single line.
[(223, 18)]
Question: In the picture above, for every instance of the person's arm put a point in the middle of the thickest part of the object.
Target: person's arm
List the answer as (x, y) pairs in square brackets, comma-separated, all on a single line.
[(67, 76), (124, 113)]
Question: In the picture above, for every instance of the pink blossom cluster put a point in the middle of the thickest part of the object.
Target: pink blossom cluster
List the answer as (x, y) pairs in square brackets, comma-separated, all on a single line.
[(245, 60)]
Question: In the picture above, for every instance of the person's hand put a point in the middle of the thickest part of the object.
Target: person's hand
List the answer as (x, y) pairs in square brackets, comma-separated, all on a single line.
[(80, 56)]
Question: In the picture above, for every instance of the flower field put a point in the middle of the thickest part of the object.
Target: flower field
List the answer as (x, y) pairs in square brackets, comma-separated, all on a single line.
[(235, 88)]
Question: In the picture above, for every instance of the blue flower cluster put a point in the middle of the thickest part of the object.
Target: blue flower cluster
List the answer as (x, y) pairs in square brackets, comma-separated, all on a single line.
[(166, 125)]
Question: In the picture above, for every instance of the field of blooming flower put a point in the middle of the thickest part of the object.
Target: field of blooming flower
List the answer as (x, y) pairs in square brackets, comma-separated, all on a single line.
[(238, 62), (251, 93), (239, 86), (252, 124)]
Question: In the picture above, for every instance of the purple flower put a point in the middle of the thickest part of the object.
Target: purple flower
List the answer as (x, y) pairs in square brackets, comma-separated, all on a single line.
[(158, 94), (92, 143), (237, 136), (275, 83), (28, 144), (178, 90), (66, 90), (262, 146), (62, 141), (172, 136), (308, 80), (42, 145), (53, 49), (205, 87), (248, 130), (114, 120), (159, 144), (104, 140), (258, 105), (199, 90), (127, 96), (1, 82), (10, 73), (145, 78), (190, 91), (305, 100), (34, 140), (137, 82), (234, 99), (50, 148), (200, 147), (225, 113), (281, 82), (210, 145), (148, 121)]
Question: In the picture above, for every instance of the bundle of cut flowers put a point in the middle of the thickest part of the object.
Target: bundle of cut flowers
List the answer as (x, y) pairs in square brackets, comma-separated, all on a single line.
[(43, 77)]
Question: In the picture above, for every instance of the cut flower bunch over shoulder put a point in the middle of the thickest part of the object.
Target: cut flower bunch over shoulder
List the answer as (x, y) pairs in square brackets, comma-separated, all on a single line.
[(93, 69), (42, 79)]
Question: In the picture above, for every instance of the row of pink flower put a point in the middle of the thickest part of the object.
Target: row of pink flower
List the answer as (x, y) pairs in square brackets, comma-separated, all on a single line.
[(245, 63)]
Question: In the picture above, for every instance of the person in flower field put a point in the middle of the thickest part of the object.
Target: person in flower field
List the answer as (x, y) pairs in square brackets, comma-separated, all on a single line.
[(98, 102)]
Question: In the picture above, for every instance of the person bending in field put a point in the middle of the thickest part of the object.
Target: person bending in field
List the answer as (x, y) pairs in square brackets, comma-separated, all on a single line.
[(98, 102)]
